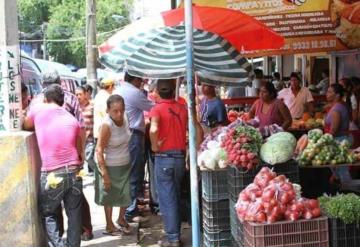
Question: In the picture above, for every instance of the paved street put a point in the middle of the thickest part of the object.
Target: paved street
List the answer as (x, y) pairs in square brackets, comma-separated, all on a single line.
[(146, 235)]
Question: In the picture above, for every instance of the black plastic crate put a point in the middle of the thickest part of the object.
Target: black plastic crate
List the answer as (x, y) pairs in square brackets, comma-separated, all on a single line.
[(290, 169), (238, 179), (216, 215), (217, 239), (236, 227), (214, 185), (343, 235)]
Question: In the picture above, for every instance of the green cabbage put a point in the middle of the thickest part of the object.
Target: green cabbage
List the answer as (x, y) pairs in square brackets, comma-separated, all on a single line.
[(279, 148)]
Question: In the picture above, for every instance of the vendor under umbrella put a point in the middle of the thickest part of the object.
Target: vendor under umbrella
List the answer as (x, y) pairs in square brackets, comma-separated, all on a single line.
[(270, 110)]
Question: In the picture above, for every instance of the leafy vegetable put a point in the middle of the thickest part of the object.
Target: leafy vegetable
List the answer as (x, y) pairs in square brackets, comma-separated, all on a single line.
[(345, 207)]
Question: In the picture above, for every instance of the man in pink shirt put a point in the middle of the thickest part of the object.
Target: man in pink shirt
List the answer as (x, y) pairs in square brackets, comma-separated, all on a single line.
[(60, 146)]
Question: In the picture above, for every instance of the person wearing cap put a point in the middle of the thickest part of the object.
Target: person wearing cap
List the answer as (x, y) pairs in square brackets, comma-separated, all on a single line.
[(169, 124), (135, 105), (71, 103), (212, 109), (106, 89), (298, 99)]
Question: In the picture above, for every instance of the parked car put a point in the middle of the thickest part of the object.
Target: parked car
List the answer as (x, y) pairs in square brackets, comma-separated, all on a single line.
[(30, 75), (69, 81)]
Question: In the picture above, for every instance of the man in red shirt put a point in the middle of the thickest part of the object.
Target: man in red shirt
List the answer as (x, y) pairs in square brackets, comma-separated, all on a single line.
[(169, 121)]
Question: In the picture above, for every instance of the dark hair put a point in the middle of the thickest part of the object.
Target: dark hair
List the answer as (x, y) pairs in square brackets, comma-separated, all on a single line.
[(166, 88), (54, 93), (82, 88), (295, 75), (271, 89), (130, 78), (114, 99), (24, 88), (88, 88), (338, 89), (355, 81), (277, 75), (326, 72), (258, 73)]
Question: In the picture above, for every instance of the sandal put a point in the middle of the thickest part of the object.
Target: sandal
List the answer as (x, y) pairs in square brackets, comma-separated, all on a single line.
[(114, 232), (125, 228)]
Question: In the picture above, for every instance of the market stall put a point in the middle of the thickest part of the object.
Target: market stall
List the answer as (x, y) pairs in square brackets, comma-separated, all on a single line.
[(266, 188)]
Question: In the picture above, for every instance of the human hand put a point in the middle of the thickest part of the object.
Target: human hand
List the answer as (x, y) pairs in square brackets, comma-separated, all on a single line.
[(106, 182)]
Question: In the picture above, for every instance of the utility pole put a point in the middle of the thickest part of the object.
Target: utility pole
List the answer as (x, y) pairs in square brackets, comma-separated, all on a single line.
[(91, 46), (10, 82)]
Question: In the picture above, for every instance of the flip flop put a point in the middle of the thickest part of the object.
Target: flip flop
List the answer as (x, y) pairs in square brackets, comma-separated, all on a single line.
[(126, 229), (113, 232)]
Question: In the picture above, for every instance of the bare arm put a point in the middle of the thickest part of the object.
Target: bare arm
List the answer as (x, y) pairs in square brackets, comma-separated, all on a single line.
[(252, 110), (28, 124), (154, 134), (80, 146), (335, 122), (286, 116), (103, 141)]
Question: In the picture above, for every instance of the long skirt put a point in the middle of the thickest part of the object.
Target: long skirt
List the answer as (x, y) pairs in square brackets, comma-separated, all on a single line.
[(119, 193)]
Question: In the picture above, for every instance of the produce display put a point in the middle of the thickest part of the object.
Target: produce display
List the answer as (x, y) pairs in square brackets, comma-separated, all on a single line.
[(272, 198), (211, 155), (278, 148), (343, 207), (307, 122), (321, 149), (242, 145)]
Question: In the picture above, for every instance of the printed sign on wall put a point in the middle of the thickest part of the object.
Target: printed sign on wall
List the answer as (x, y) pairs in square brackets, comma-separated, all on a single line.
[(10, 89), (307, 25)]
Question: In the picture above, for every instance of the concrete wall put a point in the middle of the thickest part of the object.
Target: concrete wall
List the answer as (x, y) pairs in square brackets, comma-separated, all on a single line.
[(19, 175)]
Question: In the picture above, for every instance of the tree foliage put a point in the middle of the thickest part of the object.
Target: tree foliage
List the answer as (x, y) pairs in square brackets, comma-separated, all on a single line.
[(66, 19)]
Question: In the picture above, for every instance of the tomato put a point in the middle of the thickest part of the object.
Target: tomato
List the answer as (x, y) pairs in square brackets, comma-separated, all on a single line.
[(261, 217), (285, 199), (294, 216), (313, 204), (271, 219), (287, 186), (316, 212), (268, 194), (308, 215), (276, 212), (291, 194)]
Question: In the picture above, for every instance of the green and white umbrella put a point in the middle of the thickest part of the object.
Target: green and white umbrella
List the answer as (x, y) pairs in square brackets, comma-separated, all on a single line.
[(161, 54)]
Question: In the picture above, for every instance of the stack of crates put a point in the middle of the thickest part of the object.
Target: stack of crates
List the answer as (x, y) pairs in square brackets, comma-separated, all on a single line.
[(237, 180), (215, 209)]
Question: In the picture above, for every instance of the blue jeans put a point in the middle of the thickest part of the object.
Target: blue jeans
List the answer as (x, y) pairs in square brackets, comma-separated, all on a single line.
[(169, 172), (137, 173), (70, 192)]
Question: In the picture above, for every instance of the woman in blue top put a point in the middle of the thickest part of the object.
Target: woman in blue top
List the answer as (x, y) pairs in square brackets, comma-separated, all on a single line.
[(212, 109)]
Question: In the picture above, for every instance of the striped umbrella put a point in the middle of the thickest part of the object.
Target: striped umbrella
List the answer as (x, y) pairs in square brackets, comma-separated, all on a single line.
[(161, 54)]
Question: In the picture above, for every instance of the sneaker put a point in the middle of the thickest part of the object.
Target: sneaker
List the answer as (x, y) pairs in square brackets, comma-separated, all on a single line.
[(87, 236), (138, 219), (166, 243)]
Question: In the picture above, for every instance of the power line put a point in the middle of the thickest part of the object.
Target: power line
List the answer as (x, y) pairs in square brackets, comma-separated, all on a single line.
[(67, 40)]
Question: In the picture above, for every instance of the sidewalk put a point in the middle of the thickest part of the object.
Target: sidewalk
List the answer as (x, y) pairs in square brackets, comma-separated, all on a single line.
[(146, 235)]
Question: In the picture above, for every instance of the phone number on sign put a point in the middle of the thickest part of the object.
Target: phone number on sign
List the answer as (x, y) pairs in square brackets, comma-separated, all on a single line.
[(315, 44)]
